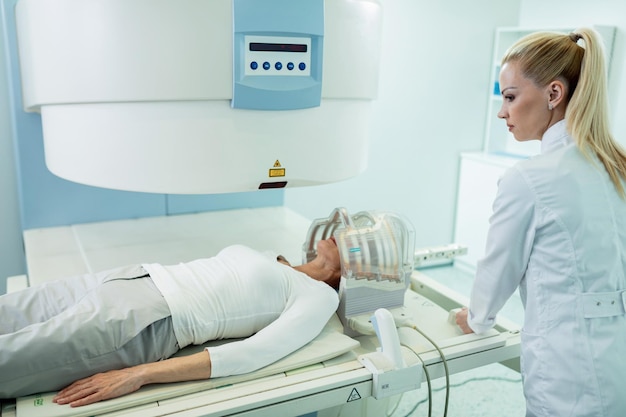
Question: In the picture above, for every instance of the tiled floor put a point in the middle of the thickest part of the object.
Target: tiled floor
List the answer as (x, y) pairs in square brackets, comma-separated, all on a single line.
[(489, 391), (59, 252)]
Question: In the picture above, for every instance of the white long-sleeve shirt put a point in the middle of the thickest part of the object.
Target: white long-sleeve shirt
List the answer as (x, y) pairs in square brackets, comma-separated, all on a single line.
[(242, 293), (558, 231)]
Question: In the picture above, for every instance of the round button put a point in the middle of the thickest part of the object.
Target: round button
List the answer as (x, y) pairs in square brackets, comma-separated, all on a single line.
[(254, 65), (302, 66), (290, 66), (266, 65), (278, 66)]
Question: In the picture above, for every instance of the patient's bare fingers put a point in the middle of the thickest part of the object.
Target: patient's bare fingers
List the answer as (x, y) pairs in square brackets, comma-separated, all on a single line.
[(98, 388)]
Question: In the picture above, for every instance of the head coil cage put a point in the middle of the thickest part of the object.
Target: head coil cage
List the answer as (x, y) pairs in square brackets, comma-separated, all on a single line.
[(373, 245), (376, 251)]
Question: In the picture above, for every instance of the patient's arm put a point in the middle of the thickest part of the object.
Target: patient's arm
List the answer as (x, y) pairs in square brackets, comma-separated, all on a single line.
[(116, 383)]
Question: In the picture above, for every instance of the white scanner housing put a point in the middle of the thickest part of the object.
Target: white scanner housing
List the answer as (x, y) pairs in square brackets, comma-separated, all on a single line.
[(138, 95)]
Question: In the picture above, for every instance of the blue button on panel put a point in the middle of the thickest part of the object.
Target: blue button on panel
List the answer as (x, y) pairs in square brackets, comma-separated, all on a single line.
[(302, 66), (254, 65), (278, 66), (290, 66), (266, 65)]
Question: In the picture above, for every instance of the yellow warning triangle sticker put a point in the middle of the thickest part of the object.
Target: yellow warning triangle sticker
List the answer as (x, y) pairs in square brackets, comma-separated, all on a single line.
[(277, 164)]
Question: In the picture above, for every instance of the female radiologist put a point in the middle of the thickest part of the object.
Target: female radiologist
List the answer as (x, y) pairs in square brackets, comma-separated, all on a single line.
[(558, 230)]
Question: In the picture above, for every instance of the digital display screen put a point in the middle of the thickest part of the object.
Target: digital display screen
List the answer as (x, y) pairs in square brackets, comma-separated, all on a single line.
[(277, 47)]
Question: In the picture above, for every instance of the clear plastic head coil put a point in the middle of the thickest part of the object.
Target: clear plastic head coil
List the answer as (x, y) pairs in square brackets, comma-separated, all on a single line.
[(376, 250)]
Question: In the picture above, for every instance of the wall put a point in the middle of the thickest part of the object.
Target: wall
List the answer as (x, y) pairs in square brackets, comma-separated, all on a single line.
[(434, 86), (580, 13), (11, 252)]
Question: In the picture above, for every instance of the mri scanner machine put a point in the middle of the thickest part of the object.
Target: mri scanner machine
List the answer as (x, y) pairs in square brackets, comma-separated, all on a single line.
[(219, 96)]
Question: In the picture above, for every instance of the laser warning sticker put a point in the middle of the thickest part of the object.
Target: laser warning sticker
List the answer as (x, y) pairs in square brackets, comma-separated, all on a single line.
[(277, 170)]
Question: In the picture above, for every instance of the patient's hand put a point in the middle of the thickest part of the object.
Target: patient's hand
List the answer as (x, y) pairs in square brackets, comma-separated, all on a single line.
[(100, 387), (114, 384)]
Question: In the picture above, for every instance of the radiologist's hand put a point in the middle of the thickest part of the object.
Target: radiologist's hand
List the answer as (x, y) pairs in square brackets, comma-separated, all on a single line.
[(461, 320), (100, 387)]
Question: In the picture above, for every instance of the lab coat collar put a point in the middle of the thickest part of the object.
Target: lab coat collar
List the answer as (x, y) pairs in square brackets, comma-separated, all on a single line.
[(555, 137)]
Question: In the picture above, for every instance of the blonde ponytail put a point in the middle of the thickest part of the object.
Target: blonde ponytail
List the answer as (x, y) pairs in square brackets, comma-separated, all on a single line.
[(545, 57), (587, 112)]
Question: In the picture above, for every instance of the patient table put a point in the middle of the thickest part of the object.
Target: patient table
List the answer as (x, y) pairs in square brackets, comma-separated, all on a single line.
[(326, 376)]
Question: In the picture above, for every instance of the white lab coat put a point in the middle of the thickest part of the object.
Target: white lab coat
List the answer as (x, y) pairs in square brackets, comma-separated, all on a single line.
[(558, 231)]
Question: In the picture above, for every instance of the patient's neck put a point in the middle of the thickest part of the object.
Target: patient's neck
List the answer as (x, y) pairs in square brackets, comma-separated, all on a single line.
[(320, 271)]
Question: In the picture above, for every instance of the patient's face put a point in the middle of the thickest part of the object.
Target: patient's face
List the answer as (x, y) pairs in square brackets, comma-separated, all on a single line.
[(327, 248)]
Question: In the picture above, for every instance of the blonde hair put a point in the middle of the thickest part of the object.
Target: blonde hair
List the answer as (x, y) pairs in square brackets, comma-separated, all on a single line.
[(544, 57)]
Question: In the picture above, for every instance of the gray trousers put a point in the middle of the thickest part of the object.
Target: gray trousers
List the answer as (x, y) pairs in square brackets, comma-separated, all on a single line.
[(56, 333)]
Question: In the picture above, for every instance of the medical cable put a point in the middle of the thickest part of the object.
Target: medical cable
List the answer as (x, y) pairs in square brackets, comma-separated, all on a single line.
[(443, 361), (460, 384), (390, 413), (428, 383)]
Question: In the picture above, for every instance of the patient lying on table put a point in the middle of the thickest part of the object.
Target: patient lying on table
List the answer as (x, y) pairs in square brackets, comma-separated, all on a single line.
[(108, 334)]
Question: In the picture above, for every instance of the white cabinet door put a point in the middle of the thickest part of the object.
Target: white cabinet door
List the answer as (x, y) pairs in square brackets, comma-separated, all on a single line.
[(478, 182)]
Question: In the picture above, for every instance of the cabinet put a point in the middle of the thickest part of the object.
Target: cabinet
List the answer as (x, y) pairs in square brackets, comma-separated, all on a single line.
[(478, 183)]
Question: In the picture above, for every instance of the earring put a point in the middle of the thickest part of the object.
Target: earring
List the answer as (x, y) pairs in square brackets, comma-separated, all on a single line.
[(550, 106)]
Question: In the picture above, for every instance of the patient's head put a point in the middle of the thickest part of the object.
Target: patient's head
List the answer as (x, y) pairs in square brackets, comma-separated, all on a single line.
[(325, 266)]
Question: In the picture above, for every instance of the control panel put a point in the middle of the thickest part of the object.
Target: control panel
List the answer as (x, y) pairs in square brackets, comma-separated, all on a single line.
[(277, 55)]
